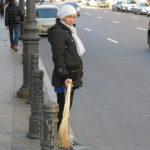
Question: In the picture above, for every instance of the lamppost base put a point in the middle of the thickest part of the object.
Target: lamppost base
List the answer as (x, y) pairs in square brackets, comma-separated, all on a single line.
[(33, 136), (23, 92), (33, 127), (28, 102)]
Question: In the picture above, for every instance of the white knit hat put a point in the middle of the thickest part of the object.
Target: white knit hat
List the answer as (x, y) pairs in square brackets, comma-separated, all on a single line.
[(66, 10)]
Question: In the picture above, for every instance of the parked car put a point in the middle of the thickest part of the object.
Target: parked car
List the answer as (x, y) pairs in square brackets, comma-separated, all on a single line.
[(139, 8), (85, 2), (93, 3), (127, 6), (46, 16), (148, 35), (148, 11), (101, 3), (117, 6), (75, 5)]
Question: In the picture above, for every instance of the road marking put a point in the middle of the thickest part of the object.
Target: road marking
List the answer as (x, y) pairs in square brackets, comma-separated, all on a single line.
[(87, 29), (87, 13), (99, 17), (134, 17), (109, 39), (141, 29), (116, 21), (105, 11)]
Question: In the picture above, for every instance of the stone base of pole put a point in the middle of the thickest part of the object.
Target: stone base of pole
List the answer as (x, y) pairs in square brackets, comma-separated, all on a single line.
[(33, 128), (23, 92), (36, 96), (48, 130)]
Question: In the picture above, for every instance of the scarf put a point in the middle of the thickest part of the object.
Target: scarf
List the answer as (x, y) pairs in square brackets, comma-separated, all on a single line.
[(78, 42)]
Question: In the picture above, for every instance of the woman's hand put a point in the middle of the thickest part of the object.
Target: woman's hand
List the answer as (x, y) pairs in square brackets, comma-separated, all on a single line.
[(68, 81)]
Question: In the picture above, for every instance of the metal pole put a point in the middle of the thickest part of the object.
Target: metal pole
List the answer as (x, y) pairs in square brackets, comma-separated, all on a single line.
[(49, 126), (36, 104), (30, 46)]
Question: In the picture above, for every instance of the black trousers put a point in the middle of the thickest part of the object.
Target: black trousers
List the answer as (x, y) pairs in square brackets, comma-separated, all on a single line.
[(61, 102)]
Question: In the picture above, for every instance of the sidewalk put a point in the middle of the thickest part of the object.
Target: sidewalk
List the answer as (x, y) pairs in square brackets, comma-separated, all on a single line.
[(14, 112)]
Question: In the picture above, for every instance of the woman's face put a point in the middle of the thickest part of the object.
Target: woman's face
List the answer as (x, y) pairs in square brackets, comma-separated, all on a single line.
[(70, 20)]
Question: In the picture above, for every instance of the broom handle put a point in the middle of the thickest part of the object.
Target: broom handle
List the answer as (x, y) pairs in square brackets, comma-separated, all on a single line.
[(68, 92), (67, 100)]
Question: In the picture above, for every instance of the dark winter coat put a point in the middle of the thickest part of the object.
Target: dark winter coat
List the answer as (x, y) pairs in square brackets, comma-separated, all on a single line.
[(67, 62), (13, 15), (2, 4)]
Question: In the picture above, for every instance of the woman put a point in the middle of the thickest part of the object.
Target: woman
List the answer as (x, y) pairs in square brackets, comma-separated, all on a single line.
[(67, 50)]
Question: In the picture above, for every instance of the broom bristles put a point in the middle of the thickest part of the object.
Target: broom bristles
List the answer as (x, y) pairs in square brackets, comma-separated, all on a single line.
[(63, 133)]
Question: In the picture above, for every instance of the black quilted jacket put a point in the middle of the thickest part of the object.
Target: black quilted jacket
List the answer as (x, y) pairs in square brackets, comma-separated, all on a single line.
[(13, 15), (67, 62)]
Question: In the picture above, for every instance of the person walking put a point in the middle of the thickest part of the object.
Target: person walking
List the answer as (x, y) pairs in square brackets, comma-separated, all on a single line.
[(67, 50), (2, 4), (13, 17)]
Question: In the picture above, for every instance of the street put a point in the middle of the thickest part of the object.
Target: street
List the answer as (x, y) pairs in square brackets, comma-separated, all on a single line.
[(112, 109)]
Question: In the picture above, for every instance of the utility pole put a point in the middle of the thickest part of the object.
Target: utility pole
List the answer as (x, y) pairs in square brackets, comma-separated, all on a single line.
[(30, 47)]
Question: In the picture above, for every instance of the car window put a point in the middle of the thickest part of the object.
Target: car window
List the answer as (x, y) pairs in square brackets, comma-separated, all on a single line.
[(142, 4), (130, 2), (119, 2), (47, 13), (73, 4)]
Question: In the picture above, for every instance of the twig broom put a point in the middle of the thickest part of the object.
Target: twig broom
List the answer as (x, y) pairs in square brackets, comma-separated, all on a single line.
[(63, 132)]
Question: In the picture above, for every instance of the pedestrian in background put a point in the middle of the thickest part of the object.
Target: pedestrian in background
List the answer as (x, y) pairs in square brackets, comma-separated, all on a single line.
[(67, 50), (2, 4), (13, 18)]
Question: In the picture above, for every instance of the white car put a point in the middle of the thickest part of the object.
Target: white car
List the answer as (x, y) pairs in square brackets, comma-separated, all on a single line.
[(127, 6), (101, 3), (140, 8), (46, 17), (148, 11), (93, 3)]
